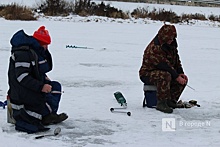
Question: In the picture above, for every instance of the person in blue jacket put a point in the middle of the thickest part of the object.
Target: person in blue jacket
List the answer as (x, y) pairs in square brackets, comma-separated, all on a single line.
[(34, 97)]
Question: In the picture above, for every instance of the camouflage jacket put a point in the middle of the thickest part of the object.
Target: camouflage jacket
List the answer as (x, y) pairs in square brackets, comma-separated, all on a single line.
[(162, 56)]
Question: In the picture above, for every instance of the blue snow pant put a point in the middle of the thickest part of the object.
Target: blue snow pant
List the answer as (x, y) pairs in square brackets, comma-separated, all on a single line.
[(30, 124), (53, 98)]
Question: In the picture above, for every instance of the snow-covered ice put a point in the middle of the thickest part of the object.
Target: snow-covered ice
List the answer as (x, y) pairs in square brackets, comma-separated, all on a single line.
[(90, 77)]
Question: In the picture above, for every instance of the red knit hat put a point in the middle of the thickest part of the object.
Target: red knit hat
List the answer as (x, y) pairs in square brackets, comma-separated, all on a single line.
[(42, 36)]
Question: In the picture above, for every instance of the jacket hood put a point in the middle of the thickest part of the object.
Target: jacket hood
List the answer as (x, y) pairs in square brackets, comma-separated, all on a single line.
[(20, 38), (166, 33)]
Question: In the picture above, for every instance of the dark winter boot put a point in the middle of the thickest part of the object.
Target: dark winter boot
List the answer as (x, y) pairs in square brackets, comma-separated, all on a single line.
[(27, 123), (162, 106), (54, 118), (173, 104)]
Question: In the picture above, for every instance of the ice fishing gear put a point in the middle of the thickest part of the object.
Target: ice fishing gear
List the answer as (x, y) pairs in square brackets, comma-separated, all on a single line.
[(115, 110), (188, 104), (57, 92), (150, 96), (55, 133), (122, 101), (120, 98), (10, 118), (83, 47), (190, 87), (80, 47), (194, 102), (3, 104)]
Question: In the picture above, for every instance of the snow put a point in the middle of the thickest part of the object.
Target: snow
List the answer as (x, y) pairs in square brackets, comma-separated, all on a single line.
[(178, 9), (20, 2), (131, 6), (90, 77)]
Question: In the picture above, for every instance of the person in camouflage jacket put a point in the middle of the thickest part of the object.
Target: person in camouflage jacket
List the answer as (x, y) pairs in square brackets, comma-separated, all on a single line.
[(161, 66)]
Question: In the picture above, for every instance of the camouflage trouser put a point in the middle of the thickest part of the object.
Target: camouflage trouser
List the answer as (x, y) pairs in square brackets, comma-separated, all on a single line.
[(167, 88)]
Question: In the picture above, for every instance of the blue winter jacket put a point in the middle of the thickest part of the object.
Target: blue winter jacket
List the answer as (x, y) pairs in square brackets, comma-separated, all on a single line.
[(29, 63)]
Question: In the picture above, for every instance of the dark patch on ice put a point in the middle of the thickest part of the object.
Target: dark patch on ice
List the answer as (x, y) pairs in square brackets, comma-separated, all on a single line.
[(96, 65), (8, 128), (87, 132), (198, 114), (5, 49), (154, 126), (77, 133), (1, 94), (90, 83), (217, 49)]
